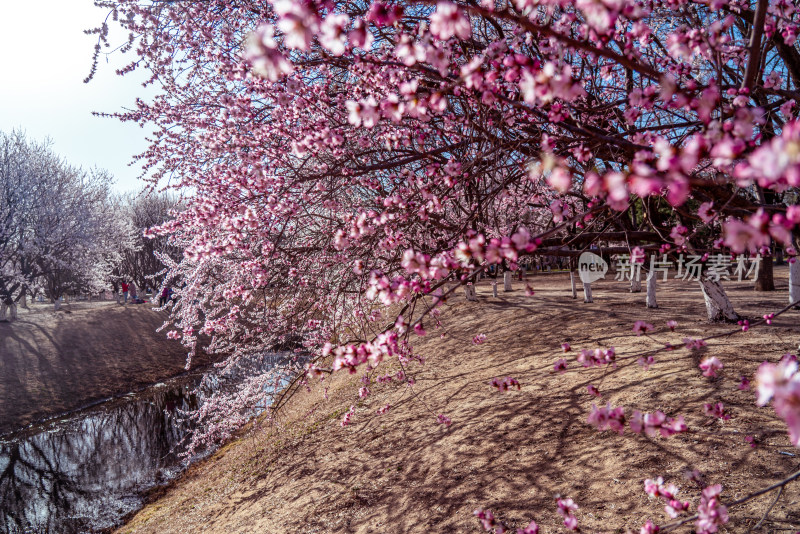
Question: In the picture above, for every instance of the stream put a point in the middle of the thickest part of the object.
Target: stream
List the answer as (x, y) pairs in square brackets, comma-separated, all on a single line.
[(86, 471)]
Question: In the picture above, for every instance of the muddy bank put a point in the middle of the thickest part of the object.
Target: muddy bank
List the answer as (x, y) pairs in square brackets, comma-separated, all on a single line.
[(51, 363)]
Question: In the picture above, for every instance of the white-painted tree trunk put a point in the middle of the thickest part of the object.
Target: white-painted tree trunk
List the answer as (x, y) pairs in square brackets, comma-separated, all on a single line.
[(12, 308), (24, 301), (3, 311), (469, 291), (636, 285), (718, 305), (56, 304), (587, 292), (651, 290), (572, 284), (494, 288), (507, 281), (794, 281)]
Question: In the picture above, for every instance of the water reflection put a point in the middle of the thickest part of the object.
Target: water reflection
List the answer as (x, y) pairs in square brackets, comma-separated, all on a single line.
[(85, 473)]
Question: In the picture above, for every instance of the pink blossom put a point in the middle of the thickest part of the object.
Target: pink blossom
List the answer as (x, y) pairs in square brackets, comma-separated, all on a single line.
[(560, 365), (566, 347), (592, 390), (710, 366), (383, 14), (678, 234), (741, 237), (449, 21), (693, 344), (716, 410), (486, 517), (641, 327), (443, 420), (646, 362), (705, 212), (346, 419), (560, 180), (656, 422), (478, 339), (649, 528), (528, 291), (672, 324), (744, 385), (566, 508), (261, 51), (332, 34), (782, 382), (711, 513), (505, 384), (298, 23), (607, 418)]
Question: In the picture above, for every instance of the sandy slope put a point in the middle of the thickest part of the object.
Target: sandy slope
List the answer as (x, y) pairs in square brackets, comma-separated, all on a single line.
[(52, 362), (512, 452)]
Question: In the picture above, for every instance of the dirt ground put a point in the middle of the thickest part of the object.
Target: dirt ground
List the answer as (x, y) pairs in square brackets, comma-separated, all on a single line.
[(511, 452), (54, 362)]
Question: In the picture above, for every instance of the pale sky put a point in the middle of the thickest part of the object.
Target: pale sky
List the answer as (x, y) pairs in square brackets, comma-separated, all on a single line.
[(44, 57)]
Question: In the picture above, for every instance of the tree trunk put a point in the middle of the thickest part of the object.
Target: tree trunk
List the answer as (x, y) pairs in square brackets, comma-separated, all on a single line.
[(794, 281), (56, 304), (469, 291), (12, 316), (718, 305), (779, 256), (494, 288), (764, 279), (587, 292), (651, 290), (572, 284), (3, 311), (507, 281)]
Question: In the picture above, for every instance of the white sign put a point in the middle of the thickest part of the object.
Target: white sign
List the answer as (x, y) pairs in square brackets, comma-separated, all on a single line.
[(591, 267)]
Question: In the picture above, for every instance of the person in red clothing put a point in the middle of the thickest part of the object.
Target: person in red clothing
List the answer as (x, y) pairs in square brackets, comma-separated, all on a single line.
[(125, 291)]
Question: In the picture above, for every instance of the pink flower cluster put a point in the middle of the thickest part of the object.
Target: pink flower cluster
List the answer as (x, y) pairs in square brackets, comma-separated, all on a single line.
[(610, 418), (505, 384), (711, 513), (781, 382), (560, 365), (478, 339), (716, 410), (566, 509), (641, 327), (656, 488), (496, 250), (351, 356), (347, 416), (710, 366), (596, 357), (657, 422)]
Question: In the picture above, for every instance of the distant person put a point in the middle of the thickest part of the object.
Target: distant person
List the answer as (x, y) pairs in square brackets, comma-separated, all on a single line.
[(164, 298), (133, 292), (125, 292)]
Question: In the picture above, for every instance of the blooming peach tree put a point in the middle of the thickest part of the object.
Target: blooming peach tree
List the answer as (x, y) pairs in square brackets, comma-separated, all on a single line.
[(342, 162)]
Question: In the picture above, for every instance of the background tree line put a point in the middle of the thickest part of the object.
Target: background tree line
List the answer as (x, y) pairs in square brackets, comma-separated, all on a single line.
[(63, 230)]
